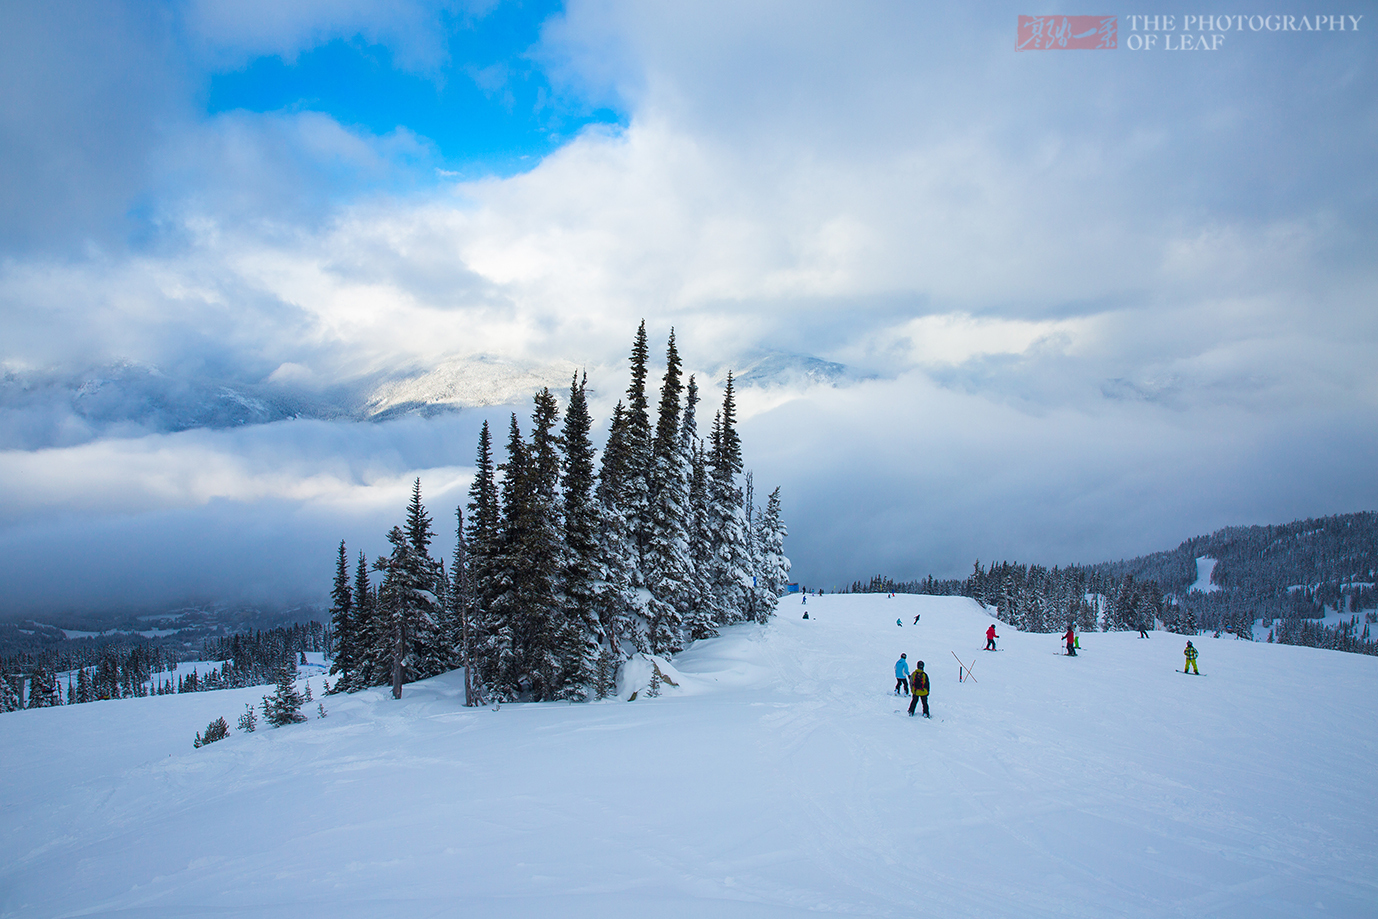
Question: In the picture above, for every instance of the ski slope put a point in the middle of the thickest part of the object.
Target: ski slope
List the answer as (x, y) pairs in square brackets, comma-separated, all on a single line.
[(780, 778)]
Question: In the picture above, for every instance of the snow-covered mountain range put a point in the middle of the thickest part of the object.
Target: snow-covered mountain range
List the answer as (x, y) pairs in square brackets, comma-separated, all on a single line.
[(58, 408)]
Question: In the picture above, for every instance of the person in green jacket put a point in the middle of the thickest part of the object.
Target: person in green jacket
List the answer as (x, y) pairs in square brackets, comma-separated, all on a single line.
[(1191, 659)]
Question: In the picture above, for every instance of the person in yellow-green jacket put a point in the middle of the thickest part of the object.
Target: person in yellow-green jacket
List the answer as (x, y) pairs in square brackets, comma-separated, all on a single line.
[(1190, 652), (918, 684)]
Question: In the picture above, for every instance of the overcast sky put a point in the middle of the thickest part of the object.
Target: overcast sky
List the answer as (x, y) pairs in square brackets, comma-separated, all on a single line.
[(1094, 302)]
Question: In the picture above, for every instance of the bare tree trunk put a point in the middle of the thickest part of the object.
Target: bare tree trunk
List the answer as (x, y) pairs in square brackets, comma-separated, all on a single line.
[(398, 652)]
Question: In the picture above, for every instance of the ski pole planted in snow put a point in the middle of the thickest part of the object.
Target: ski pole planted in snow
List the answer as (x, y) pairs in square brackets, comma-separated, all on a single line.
[(961, 666)]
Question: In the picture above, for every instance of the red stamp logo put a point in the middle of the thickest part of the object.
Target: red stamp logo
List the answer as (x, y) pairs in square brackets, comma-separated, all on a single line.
[(1066, 33)]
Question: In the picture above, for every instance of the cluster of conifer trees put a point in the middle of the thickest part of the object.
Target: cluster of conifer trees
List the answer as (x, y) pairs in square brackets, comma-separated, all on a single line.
[(1033, 598), (565, 566), (115, 672)]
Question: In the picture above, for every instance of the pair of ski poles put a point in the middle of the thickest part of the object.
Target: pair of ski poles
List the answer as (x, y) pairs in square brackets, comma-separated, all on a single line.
[(961, 668)]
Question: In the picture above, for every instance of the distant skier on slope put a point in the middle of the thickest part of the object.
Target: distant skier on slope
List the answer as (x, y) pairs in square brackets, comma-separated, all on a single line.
[(1071, 639), (990, 638), (898, 623), (1143, 631), (916, 618), (918, 686), (901, 674), (1190, 652)]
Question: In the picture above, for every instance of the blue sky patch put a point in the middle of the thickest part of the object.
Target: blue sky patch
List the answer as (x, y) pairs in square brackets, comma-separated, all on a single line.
[(489, 110)]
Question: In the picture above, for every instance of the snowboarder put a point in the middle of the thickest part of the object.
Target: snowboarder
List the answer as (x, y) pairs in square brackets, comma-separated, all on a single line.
[(901, 674), (806, 614), (1071, 639), (918, 685), (1190, 652), (990, 638)]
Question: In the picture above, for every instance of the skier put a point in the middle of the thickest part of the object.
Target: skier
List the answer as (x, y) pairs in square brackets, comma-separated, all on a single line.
[(1143, 633), (901, 674), (898, 623), (1190, 652), (990, 638), (1071, 639), (916, 619), (919, 687)]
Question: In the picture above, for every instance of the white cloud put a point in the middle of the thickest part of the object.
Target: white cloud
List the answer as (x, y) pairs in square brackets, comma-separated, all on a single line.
[(413, 29), (1100, 321)]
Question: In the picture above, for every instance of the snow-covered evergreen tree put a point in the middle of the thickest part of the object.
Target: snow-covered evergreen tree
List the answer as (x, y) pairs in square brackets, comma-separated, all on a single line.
[(43, 689), (665, 556), (636, 499), (618, 600), (579, 568), (702, 616), (367, 628), (218, 729), (9, 696), (342, 617), (773, 566), (409, 649), (284, 705), (461, 604), (728, 561), (483, 540)]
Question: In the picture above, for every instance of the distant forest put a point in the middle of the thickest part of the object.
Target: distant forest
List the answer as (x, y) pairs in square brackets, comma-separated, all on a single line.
[(1286, 576), (83, 671)]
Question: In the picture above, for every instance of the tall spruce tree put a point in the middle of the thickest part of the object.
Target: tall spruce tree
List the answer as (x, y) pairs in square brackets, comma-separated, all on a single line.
[(461, 602), (366, 629), (579, 571), (483, 539), (728, 557), (409, 648), (665, 556), (637, 440), (508, 628), (773, 565), (342, 616), (619, 612), (550, 636), (699, 617), (430, 654)]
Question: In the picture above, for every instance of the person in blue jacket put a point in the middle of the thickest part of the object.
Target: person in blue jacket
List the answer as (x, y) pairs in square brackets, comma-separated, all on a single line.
[(901, 674)]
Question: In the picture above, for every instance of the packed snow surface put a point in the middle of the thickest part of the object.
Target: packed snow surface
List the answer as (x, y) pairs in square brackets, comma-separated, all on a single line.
[(1204, 568), (779, 778)]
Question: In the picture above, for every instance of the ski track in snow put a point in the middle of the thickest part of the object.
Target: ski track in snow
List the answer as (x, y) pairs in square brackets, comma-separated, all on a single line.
[(781, 778)]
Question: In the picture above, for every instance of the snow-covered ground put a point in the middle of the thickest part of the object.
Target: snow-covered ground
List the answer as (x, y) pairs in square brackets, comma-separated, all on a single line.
[(781, 778), (1204, 567)]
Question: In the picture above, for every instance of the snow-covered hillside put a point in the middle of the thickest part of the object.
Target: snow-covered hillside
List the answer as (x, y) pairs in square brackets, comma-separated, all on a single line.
[(780, 778)]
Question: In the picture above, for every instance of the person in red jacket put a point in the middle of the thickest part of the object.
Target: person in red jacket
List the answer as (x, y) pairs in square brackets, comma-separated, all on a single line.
[(990, 637), (1071, 639)]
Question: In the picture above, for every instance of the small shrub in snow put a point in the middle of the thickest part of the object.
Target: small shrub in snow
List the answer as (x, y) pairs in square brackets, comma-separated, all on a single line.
[(320, 709), (218, 729), (249, 720)]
